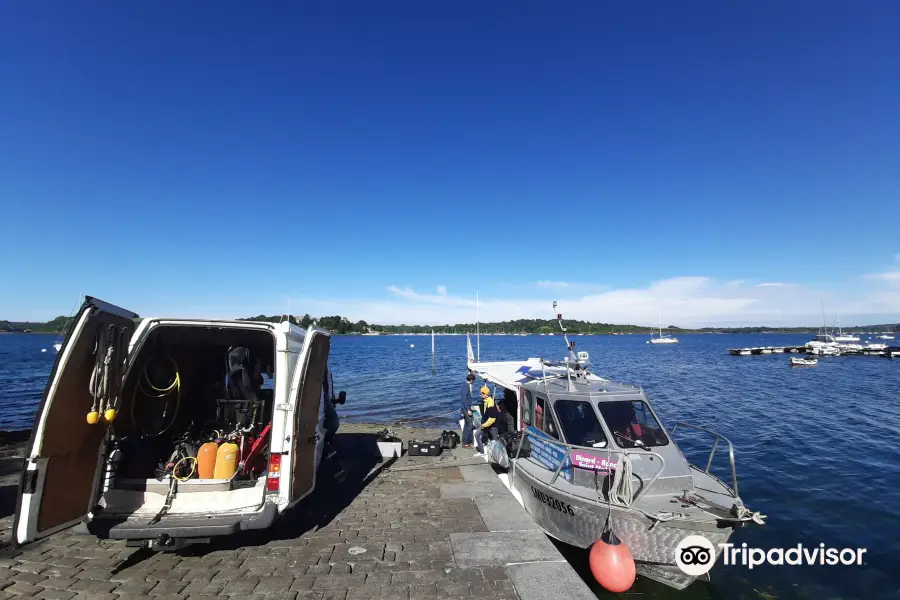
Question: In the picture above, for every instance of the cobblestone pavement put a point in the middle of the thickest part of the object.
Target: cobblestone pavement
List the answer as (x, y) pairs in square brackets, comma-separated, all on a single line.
[(388, 539)]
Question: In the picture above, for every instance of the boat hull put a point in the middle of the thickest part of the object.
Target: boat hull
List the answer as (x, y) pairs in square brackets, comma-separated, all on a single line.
[(580, 523)]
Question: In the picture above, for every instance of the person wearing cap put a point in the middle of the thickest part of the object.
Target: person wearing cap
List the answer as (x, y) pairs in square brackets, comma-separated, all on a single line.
[(489, 417), (465, 410)]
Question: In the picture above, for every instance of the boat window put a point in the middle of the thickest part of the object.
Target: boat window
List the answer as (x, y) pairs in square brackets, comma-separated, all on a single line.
[(580, 423), (528, 407), (539, 413), (632, 422), (550, 427)]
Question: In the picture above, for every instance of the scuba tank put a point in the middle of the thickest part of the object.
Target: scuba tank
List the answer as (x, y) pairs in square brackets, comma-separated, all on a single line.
[(206, 460), (226, 461), (113, 459)]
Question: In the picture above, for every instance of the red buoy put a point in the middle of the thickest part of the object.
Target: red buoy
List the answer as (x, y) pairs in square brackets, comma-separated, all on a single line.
[(611, 563)]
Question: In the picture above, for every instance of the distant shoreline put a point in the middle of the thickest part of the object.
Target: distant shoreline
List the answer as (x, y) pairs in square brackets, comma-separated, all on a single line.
[(32, 332)]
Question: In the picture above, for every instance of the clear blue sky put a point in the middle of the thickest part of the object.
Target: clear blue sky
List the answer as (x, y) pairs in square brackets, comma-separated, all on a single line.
[(223, 157)]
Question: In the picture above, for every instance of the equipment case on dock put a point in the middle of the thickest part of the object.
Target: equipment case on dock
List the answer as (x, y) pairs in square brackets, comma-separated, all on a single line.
[(417, 448)]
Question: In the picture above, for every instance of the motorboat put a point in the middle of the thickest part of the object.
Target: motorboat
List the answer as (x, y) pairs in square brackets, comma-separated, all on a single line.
[(834, 350), (593, 455), (885, 337), (825, 344), (803, 362), (57, 346), (873, 346)]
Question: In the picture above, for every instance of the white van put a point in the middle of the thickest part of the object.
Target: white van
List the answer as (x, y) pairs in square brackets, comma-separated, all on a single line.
[(118, 439)]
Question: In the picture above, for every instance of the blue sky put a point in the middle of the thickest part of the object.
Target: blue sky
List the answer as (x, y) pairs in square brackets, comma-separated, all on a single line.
[(388, 160)]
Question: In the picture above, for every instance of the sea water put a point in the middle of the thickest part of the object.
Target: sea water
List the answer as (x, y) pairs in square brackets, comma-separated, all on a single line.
[(817, 448)]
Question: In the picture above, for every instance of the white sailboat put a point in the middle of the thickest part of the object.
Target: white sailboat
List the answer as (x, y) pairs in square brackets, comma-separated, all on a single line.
[(662, 339), (840, 337)]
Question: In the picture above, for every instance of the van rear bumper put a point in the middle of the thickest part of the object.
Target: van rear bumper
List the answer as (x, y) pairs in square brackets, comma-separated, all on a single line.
[(117, 528)]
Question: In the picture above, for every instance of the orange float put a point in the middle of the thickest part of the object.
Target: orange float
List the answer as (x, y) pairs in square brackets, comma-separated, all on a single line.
[(611, 563)]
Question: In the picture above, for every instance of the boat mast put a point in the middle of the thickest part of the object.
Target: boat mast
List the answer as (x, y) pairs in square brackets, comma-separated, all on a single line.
[(477, 328)]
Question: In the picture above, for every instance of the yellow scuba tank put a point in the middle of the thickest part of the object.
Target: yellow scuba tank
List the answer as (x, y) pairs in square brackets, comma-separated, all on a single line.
[(226, 461), (206, 460)]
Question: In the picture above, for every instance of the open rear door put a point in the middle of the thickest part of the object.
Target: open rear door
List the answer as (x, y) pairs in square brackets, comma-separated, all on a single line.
[(56, 488), (306, 390)]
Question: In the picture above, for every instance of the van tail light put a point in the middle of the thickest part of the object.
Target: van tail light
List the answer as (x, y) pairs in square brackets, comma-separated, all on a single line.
[(273, 477)]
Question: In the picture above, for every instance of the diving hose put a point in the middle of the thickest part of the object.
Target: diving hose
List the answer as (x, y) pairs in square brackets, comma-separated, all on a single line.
[(156, 392)]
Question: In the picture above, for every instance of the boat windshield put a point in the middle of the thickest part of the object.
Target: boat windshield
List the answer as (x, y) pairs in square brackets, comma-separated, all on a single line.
[(632, 422), (579, 423)]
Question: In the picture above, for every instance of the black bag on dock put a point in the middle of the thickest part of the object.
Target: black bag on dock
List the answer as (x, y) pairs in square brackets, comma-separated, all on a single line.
[(449, 440), (418, 448)]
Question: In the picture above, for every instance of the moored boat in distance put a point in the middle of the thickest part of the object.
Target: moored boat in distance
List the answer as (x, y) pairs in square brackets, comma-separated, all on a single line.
[(841, 337), (662, 339), (803, 362)]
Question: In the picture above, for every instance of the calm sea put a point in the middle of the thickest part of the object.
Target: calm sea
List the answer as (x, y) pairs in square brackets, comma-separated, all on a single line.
[(817, 449)]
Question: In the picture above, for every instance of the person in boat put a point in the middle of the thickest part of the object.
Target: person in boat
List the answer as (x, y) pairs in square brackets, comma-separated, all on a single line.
[(506, 423), (465, 410), (626, 427), (489, 417)]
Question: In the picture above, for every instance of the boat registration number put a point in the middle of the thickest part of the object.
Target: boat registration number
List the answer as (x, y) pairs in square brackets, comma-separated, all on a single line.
[(553, 502)]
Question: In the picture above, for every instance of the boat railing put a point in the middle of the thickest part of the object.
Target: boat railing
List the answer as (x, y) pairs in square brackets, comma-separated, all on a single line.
[(617, 452), (712, 453)]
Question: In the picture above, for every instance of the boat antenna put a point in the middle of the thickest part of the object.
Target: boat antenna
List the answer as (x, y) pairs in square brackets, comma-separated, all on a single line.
[(432, 350), (572, 358)]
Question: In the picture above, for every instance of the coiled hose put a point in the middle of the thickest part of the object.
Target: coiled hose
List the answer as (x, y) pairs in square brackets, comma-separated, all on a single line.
[(156, 393)]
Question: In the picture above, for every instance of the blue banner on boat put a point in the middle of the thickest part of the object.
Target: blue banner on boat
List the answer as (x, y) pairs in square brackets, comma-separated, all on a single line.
[(547, 454)]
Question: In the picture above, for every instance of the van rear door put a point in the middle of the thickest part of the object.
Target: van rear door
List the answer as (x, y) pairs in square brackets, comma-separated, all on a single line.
[(57, 484), (306, 392)]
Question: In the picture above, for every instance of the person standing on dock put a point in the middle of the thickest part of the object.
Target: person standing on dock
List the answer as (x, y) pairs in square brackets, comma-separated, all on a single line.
[(465, 410)]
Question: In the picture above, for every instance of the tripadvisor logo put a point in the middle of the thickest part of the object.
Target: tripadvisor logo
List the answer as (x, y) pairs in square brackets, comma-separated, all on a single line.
[(695, 555)]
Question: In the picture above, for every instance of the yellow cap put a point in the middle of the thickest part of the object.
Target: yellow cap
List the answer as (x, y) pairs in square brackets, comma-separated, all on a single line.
[(485, 391), (110, 415), (93, 417)]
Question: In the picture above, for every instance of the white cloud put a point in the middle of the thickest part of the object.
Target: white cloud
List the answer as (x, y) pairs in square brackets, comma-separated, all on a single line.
[(772, 284), (551, 284), (442, 290), (440, 298), (683, 301), (891, 277)]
